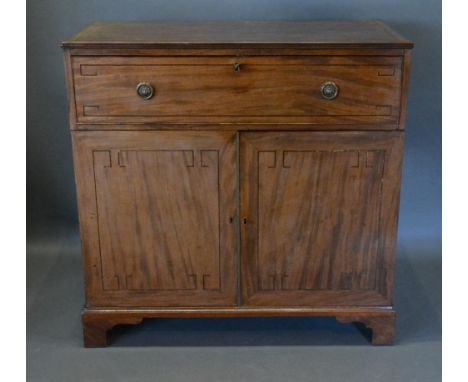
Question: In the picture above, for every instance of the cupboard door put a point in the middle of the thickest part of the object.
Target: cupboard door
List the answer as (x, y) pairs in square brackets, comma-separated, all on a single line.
[(157, 217), (319, 217)]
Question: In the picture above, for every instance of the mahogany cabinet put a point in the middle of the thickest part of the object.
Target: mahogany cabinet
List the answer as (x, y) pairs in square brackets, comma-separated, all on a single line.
[(238, 169)]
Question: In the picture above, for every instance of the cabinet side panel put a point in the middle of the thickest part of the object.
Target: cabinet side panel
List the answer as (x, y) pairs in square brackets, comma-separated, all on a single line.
[(405, 78), (70, 88)]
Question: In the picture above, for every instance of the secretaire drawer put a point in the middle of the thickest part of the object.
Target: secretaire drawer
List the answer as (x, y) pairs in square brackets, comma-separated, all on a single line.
[(186, 90)]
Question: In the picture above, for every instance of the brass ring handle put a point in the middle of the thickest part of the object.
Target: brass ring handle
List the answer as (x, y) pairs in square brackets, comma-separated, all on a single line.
[(145, 90), (329, 90)]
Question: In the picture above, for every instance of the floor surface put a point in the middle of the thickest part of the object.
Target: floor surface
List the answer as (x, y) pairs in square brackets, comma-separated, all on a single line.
[(205, 350)]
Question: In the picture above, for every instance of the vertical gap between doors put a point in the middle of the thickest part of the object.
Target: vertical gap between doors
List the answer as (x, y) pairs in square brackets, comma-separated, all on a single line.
[(238, 217)]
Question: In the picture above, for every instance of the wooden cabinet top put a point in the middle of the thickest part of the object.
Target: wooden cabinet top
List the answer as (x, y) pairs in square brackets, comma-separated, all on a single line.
[(240, 34)]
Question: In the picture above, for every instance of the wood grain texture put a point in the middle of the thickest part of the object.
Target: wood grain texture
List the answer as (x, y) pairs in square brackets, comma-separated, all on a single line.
[(274, 89), (238, 193), (189, 51), (241, 34), (157, 212), (404, 88), (319, 213), (235, 127)]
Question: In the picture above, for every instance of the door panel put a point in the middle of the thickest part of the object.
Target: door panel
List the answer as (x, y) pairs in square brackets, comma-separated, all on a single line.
[(320, 217), (158, 217)]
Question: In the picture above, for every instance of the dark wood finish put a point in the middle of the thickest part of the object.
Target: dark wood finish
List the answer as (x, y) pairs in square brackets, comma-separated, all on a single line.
[(404, 88), (188, 51), (95, 327), (382, 327), (274, 89), (97, 322), (238, 193), (319, 217), (70, 87), (157, 214), (240, 34), (234, 127)]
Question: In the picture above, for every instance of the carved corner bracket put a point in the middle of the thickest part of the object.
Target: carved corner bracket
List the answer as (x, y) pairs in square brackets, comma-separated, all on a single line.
[(382, 326), (96, 326)]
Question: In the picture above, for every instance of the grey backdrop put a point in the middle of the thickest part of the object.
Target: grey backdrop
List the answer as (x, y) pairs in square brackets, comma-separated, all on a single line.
[(51, 192), (54, 272)]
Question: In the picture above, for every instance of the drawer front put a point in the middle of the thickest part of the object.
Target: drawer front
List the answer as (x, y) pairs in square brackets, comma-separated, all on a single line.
[(238, 89)]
